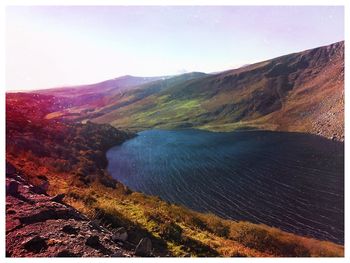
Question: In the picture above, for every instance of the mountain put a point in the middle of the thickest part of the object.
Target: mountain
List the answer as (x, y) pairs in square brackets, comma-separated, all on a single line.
[(89, 102), (301, 92), (118, 84), (95, 94)]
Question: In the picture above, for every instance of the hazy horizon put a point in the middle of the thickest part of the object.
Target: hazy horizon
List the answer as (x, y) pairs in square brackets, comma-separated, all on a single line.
[(57, 46)]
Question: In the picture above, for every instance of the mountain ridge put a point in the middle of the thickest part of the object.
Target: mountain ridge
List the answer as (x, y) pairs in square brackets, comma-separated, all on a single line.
[(290, 93), (299, 92)]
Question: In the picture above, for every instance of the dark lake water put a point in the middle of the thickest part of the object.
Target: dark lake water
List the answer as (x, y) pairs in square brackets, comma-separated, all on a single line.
[(292, 181)]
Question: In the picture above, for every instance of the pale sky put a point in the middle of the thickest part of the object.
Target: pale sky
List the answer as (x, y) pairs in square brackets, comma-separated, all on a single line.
[(57, 46)]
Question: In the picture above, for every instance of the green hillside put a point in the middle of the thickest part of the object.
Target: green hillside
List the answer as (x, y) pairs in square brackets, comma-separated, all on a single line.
[(297, 92)]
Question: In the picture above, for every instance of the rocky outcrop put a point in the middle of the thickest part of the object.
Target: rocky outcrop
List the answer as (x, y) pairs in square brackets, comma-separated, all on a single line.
[(120, 234), (39, 225), (144, 248)]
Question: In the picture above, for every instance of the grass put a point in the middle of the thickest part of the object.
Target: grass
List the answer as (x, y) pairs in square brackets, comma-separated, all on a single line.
[(189, 233)]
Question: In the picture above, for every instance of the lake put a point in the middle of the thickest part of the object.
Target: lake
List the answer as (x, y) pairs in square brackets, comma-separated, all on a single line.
[(292, 181)]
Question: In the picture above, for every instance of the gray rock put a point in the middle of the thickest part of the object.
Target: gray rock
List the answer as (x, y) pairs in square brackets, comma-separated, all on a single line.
[(144, 248), (118, 253), (120, 234), (95, 224)]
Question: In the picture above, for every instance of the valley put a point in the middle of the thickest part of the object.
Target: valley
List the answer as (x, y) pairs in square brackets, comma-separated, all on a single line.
[(120, 154)]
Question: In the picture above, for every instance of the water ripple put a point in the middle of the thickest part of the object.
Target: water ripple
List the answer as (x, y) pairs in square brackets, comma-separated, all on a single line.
[(287, 180)]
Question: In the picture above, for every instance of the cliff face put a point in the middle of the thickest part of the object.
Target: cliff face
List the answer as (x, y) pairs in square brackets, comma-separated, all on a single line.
[(316, 102)]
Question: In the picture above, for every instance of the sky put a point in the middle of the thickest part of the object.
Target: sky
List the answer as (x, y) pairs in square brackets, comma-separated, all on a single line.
[(55, 46)]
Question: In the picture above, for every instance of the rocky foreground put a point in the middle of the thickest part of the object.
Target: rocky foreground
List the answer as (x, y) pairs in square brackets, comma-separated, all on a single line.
[(39, 225)]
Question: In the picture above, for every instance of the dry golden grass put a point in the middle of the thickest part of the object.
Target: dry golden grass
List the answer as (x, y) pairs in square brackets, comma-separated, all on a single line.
[(189, 233)]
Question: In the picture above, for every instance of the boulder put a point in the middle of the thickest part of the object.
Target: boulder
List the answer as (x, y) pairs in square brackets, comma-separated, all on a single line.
[(35, 244), (120, 234), (93, 241), (144, 248), (70, 230)]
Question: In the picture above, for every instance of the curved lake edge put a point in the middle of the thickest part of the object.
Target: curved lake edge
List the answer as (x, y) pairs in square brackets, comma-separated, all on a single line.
[(240, 129), (256, 132)]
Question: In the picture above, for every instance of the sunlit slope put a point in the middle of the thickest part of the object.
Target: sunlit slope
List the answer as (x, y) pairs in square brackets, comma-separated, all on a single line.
[(297, 92)]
